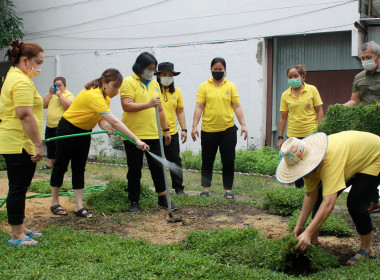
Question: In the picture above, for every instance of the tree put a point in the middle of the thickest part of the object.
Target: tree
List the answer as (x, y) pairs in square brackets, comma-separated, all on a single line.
[(10, 24)]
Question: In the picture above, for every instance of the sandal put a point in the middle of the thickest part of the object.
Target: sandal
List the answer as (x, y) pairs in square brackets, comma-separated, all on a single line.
[(18, 242), (58, 208), (45, 167), (30, 234), (229, 195), (205, 194), (84, 212), (363, 254)]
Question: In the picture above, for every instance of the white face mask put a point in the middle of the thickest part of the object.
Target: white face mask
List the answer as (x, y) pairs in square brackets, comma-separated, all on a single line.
[(147, 75), (166, 81), (35, 71), (369, 65)]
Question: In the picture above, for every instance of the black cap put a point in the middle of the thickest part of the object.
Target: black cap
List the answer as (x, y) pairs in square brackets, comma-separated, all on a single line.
[(166, 66)]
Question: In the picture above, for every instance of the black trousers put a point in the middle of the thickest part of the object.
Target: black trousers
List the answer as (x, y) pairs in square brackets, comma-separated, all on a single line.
[(172, 154), (358, 200), (20, 170), (135, 162), (226, 142), (49, 133), (75, 149)]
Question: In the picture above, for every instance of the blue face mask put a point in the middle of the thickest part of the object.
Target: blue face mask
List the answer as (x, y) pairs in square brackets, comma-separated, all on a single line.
[(295, 83)]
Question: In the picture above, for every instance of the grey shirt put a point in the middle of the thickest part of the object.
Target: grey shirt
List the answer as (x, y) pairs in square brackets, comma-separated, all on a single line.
[(368, 85)]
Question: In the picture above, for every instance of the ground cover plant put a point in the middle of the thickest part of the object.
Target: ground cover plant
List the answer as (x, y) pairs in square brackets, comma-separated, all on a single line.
[(283, 200), (335, 225), (341, 118), (43, 186), (3, 166)]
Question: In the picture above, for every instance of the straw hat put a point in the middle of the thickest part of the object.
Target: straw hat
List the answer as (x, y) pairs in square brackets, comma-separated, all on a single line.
[(300, 157)]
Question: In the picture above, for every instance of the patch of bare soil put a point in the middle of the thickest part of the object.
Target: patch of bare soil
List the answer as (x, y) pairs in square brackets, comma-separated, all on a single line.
[(154, 227)]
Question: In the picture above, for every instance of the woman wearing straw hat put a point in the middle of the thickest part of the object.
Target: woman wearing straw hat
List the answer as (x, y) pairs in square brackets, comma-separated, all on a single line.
[(172, 102), (333, 160), (301, 108)]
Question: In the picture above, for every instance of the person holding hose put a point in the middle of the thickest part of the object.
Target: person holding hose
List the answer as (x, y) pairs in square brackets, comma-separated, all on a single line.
[(333, 160), (301, 108), (172, 102), (21, 111), (366, 89), (56, 102), (139, 96), (218, 100), (89, 108)]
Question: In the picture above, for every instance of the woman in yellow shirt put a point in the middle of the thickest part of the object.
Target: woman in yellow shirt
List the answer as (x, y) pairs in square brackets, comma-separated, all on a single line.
[(21, 111), (140, 94), (57, 101), (171, 98), (89, 108), (218, 100), (301, 108)]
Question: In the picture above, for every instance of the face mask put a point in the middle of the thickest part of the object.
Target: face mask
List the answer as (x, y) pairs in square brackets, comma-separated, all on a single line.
[(35, 70), (218, 75), (295, 83), (369, 65), (147, 75), (166, 81)]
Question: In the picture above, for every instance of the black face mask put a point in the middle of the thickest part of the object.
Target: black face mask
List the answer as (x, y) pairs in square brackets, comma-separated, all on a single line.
[(218, 75)]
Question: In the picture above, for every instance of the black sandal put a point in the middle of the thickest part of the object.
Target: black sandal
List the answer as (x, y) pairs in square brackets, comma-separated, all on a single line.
[(229, 195), (82, 213), (58, 208), (205, 194)]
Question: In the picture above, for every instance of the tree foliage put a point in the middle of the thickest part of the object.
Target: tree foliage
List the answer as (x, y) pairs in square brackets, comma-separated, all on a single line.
[(10, 23)]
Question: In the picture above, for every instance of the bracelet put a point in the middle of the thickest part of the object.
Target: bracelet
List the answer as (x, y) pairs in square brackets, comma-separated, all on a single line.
[(184, 129), (280, 137), (166, 130)]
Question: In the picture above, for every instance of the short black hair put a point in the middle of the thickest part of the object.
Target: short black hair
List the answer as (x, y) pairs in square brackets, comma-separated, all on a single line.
[(217, 60), (142, 61)]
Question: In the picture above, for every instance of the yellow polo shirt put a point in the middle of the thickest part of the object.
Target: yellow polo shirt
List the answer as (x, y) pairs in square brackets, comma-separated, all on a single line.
[(348, 153), (218, 113), (18, 91), (142, 123), (55, 109), (302, 118), (171, 102), (87, 109)]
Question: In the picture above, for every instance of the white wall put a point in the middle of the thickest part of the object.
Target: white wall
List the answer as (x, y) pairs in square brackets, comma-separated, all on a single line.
[(90, 36)]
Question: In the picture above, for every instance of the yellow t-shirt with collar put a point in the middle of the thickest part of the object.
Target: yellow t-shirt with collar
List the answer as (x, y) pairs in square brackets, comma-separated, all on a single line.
[(87, 109), (18, 91), (348, 153), (302, 118), (55, 109), (142, 123), (218, 113), (171, 102)]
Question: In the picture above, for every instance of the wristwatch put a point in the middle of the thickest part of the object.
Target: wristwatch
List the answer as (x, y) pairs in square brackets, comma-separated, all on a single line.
[(165, 130), (280, 137)]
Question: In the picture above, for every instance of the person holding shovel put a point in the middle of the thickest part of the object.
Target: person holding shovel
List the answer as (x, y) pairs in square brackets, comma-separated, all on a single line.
[(56, 102), (89, 108), (21, 111), (333, 160), (172, 103), (140, 94), (218, 100)]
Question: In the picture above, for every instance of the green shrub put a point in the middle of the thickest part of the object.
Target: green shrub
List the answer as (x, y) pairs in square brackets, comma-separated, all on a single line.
[(335, 225), (115, 199), (361, 117), (3, 215), (263, 161), (284, 200), (43, 186), (247, 247), (3, 166)]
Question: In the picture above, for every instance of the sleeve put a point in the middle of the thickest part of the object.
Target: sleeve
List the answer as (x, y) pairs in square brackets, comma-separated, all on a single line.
[(100, 105), (317, 100), (332, 175), (201, 94), (283, 104), (311, 182), (234, 94), (179, 99), (23, 94), (355, 85), (127, 90)]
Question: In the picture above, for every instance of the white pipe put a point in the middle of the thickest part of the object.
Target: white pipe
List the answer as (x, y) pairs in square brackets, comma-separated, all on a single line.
[(57, 65)]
